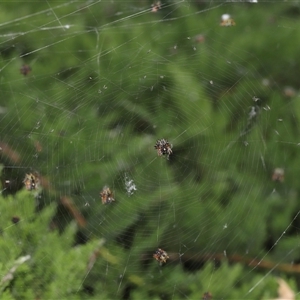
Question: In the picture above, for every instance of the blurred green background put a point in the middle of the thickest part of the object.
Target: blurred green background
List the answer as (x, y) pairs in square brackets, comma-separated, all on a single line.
[(106, 80)]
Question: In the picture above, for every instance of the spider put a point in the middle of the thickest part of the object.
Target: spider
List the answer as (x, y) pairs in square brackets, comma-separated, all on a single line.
[(31, 182), (163, 147), (107, 195), (161, 255)]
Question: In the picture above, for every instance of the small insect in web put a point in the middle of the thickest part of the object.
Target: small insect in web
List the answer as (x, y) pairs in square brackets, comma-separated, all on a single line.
[(25, 70), (107, 195), (156, 6), (31, 182), (226, 21), (163, 147), (161, 256)]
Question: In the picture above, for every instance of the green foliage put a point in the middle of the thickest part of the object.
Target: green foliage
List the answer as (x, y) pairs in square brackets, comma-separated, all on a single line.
[(55, 268), (38, 262)]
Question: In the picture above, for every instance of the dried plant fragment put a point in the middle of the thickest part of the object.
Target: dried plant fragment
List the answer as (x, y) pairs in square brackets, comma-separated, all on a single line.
[(6, 150), (284, 291), (8, 277), (70, 206)]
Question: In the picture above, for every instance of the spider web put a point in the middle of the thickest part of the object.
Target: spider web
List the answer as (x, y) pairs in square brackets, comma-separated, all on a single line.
[(104, 81)]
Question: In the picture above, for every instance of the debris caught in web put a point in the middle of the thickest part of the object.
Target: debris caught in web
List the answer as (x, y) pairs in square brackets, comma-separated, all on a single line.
[(252, 118), (129, 185)]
